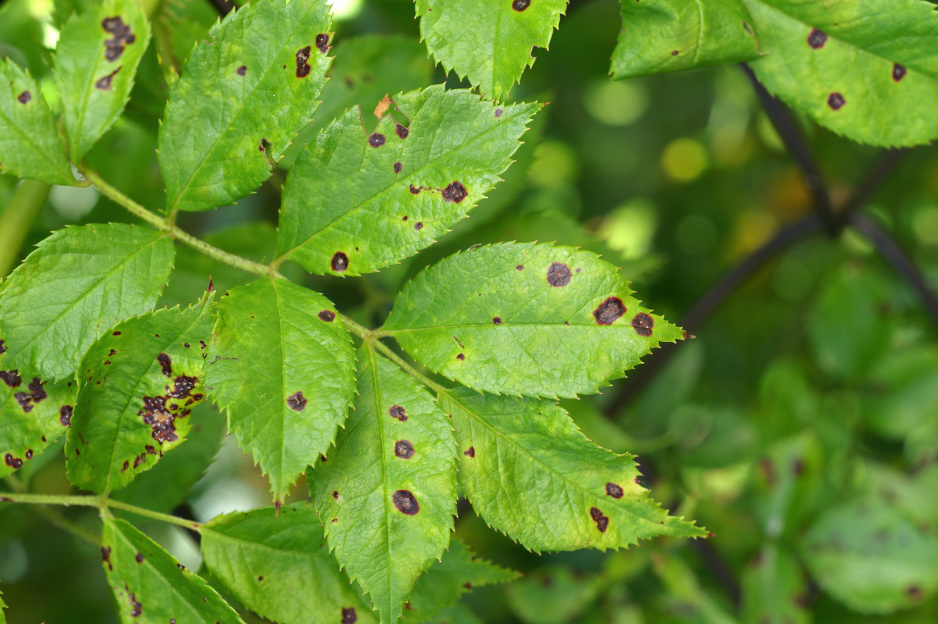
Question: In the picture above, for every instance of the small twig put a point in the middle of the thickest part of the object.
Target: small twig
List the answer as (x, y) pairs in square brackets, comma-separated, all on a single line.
[(870, 183), (719, 570)]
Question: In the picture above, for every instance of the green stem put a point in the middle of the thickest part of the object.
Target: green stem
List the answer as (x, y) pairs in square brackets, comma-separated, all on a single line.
[(54, 517), (164, 225), (363, 332), (413, 372), (16, 220), (94, 501), (146, 513)]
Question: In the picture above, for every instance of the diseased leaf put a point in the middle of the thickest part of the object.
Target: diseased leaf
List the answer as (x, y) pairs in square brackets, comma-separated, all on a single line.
[(138, 386), (774, 589), (95, 62), (872, 557), (670, 35), (556, 490), (283, 369), (150, 587), (525, 318), (458, 572), (78, 283), (33, 415), (387, 493), (279, 567), (488, 41), (865, 70), (248, 91), (356, 200), (30, 145)]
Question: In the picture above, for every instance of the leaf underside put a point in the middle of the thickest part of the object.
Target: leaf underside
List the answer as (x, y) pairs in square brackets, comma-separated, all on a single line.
[(556, 490), (246, 92), (139, 384), (283, 368), (525, 318), (488, 41), (865, 70), (79, 282), (357, 200), (387, 493)]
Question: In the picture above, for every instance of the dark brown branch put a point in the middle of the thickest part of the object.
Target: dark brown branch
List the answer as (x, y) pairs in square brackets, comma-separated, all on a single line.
[(224, 7), (871, 182)]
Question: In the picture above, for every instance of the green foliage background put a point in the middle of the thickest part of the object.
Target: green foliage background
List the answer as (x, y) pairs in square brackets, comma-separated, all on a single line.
[(800, 426)]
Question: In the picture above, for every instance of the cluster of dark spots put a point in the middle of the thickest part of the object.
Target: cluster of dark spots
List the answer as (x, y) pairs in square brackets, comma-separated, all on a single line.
[(609, 310), (339, 261), (401, 131), (36, 394), (643, 324), (138, 558), (106, 556), (165, 364), (470, 452), (414, 190), (520, 5), (602, 522), (136, 607), (376, 139), (898, 72), (35, 386), (202, 344), (405, 502), (302, 67), (497, 320), (182, 388), (327, 316), (461, 357), (104, 82), (11, 378), (349, 616), (418, 226), (836, 101), (322, 43), (499, 111), (398, 412), (24, 97), (122, 36), (404, 449), (297, 401), (13, 462), (817, 39), (397, 167), (455, 192), (614, 490), (558, 274), (243, 70), (162, 421)]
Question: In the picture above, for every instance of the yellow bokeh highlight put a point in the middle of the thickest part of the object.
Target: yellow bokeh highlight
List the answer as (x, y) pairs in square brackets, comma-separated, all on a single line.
[(684, 160)]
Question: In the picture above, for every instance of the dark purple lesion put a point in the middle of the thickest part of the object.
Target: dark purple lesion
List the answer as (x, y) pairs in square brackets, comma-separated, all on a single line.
[(121, 36)]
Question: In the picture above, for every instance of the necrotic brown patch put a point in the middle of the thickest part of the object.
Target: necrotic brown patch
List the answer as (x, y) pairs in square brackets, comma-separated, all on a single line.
[(398, 412), (558, 274), (470, 452), (11, 378), (602, 522), (165, 364), (414, 190), (182, 387), (404, 449), (376, 139), (65, 415), (520, 5), (302, 67), (405, 502), (609, 310), (35, 387), (322, 43), (106, 556), (455, 192), (643, 324), (461, 357), (327, 316), (614, 490), (817, 39), (397, 167), (401, 131), (339, 261), (497, 320), (499, 111), (836, 101), (104, 83), (120, 37), (898, 72), (297, 402), (243, 70), (14, 462), (24, 97), (349, 616), (160, 419), (138, 558)]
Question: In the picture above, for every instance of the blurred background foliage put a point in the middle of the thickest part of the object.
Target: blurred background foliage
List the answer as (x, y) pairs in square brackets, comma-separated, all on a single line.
[(800, 425)]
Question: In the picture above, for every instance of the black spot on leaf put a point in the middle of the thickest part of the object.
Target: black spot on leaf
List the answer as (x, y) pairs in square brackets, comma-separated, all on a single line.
[(461, 357), (455, 192), (614, 490), (35, 387), (398, 412), (14, 462), (414, 190), (520, 267), (520, 5), (339, 261), (243, 70), (104, 83), (898, 72), (139, 558), (643, 324), (499, 111), (165, 364), (120, 37), (674, 52), (11, 378), (2, 348), (322, 43), (302, 67), (397, 167), (25, 401), (116, 333), (335, 495), (602, 522), (349, 616), (914, 592), (24, 97), (404, 449), (817, 39), (418, 226), (297, 401), (405, 502), (470, 452), (401, 131), (65, 415), (106, 556), (497, 320), (558, 274), (182, 387), (609, 310), (29, 453), (136, 607), (327, 316), (376, 139), (161, 420), (836, 101)]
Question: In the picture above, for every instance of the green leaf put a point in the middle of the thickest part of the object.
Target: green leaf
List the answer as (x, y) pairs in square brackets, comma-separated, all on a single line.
[(138, 386), (457, 614), (864, 70), (553, 594), (488, 41), (170, 482), (555, 489), (387, 494), (356, 201), (33, 415), (685, 591), (279, 567), (670, 35), (872, 557), (151, 587), (3, 605), (249, 90), (30, 145), (774, 589), (525, 318), (283, 370), (95, 62), (78, 283), (457, 573)]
